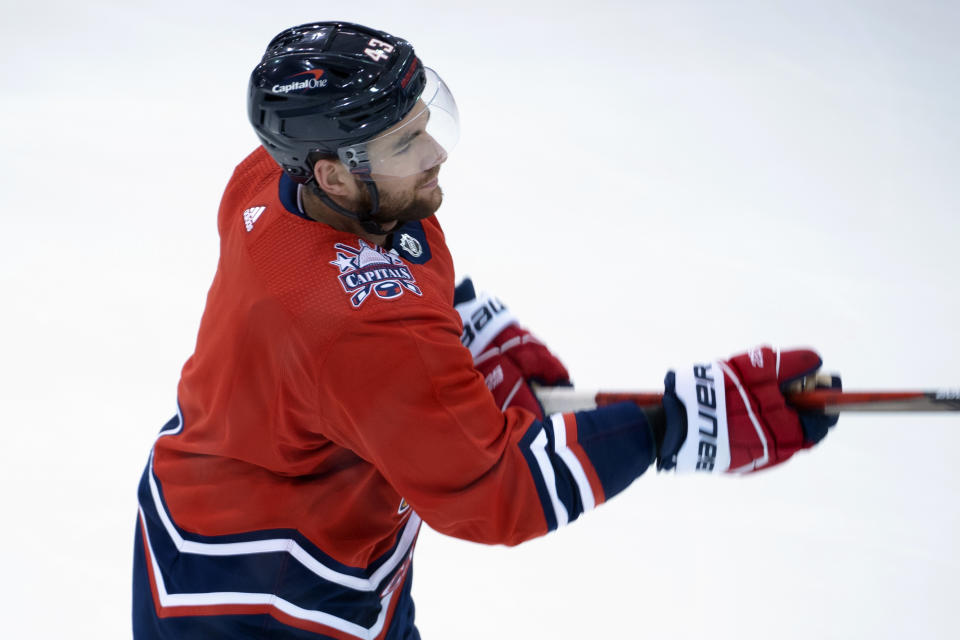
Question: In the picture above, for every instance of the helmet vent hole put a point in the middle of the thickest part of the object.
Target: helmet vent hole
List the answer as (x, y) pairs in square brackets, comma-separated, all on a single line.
[(338, 73)]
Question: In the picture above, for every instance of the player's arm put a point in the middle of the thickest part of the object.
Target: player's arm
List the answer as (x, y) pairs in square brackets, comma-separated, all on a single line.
[(412, 404)]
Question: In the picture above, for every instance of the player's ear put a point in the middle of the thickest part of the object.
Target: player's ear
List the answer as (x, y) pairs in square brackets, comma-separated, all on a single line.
[(332, 177)]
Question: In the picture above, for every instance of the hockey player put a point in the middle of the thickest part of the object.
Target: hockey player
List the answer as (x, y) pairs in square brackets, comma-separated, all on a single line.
[(343, 389)]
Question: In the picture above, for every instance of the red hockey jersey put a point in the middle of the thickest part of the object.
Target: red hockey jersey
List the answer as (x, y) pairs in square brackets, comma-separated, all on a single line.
[(328, 407)]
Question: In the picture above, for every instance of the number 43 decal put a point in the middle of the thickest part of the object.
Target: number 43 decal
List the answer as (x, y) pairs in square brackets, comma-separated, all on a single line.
[(382, 52)]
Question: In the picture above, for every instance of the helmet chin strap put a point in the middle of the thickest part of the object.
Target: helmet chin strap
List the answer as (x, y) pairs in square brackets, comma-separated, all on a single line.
[(366, 219)]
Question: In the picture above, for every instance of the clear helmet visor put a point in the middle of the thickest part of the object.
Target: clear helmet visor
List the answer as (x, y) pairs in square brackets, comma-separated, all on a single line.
[(418, 143)]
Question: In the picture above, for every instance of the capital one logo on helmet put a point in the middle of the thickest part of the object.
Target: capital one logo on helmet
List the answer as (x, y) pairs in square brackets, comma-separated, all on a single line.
[(365, 270), (314, 82)]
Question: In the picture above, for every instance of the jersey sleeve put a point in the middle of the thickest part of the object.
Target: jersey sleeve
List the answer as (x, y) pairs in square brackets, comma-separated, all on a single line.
[(401, 391)]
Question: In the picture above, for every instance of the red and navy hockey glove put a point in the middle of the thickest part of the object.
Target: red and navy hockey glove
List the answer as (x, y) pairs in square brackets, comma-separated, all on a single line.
[(509, 357), (731, 416)]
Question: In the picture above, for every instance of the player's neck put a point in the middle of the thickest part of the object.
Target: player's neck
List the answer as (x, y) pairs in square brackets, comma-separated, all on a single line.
[(316, 210)]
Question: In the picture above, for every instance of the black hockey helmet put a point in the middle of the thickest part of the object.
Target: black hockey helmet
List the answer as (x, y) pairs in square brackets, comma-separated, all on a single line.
[(324, 86), (334, 89)]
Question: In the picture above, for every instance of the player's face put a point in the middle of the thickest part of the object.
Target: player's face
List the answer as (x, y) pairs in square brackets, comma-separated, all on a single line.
[(406, 170), (403, 199)]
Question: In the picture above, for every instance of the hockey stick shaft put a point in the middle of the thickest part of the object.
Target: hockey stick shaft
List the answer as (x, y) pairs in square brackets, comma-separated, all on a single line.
[(565, 399)]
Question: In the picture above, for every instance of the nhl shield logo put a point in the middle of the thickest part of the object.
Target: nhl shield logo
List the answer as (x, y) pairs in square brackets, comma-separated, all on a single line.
[(411, 245), (365, 270)]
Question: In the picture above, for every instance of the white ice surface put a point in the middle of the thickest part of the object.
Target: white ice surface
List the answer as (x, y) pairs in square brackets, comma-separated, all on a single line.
[(644, 183)]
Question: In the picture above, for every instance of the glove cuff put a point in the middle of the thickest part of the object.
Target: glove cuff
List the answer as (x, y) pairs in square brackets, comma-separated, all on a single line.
[(695, 405), (483, 317), (675, 425)]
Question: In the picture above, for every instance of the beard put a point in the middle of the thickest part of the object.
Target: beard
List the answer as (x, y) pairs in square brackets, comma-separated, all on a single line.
[(403, 205)]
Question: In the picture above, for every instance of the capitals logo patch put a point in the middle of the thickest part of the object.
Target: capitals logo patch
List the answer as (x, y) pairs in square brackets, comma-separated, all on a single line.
[(367, 270)]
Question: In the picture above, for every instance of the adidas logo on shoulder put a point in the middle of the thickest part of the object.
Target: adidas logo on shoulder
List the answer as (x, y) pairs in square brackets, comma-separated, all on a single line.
[(250, 216)]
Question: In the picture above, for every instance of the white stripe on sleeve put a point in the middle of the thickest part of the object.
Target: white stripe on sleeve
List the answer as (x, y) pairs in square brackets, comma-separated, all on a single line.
[(570, 459), (539, 449)]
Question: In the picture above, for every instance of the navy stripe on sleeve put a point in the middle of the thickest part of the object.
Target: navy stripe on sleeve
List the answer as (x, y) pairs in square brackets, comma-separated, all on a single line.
[(619, 443)]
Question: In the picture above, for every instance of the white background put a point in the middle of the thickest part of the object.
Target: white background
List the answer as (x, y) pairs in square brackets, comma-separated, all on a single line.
[(645, 184)]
